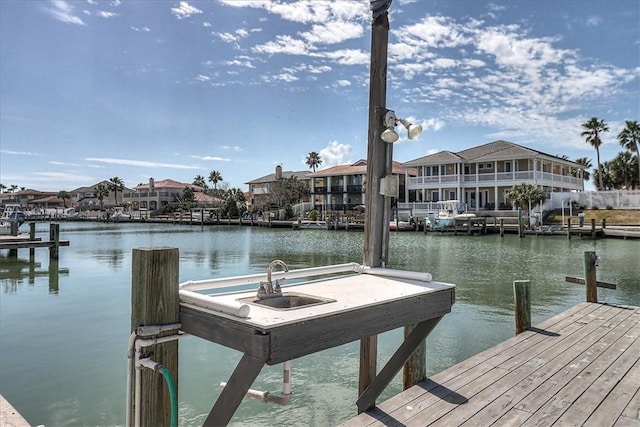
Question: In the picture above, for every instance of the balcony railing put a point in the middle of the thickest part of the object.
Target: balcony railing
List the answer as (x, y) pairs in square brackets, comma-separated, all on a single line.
[(543, 178)]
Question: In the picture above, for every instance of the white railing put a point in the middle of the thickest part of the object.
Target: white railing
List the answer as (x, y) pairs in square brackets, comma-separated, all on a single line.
[(502, 177)]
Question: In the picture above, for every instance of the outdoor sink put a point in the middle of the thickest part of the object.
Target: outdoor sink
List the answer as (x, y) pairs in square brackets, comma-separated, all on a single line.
[(287, 301)]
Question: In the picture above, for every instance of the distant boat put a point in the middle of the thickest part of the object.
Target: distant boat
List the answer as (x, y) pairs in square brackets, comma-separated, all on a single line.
[(12, 213), (449, 212), (306, 224), (402, 221)]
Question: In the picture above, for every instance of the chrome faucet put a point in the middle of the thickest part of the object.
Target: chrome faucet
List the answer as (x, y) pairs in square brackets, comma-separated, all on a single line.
[(270, 290)]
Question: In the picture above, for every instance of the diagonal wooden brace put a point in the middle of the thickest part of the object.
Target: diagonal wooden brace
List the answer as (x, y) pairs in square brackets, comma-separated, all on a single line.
[(420, 332), (243, 376)]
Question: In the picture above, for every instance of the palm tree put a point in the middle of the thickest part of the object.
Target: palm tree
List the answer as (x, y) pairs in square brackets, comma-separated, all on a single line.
[(2, 188), (101, 191), (200, 182), (593, 129), (215, 177), (629, 138), (13, 188), (116, 184), (313, 160), (586, 165), (64, 195), (524, 195)]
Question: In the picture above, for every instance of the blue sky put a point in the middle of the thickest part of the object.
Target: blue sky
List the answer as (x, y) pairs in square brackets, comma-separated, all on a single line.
[(173, 89)]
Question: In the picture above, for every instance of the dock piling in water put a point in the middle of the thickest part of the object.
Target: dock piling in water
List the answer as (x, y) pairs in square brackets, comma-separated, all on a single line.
[(155, 301), (522, 296)]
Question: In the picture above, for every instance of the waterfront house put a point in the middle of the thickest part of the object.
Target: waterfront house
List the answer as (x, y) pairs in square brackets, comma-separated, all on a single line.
[(342, 187), (157, 194), (84, 197), (259, 193), (481, 176)]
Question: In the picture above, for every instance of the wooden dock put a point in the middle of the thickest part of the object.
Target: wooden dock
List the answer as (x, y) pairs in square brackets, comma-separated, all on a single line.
[(29, 241), (579, 368)]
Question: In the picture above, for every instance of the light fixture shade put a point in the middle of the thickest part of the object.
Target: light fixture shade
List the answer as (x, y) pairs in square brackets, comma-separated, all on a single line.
[(413, 131), (389, 135)]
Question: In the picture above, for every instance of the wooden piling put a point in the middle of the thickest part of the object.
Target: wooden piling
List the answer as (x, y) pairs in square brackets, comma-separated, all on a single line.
[(155, 301), (593, 228), (32, 236), (604, 223), (520, 223), (569, 228), (501, 227), (522, 296), (590, 276), (415, 369), (54, 236)]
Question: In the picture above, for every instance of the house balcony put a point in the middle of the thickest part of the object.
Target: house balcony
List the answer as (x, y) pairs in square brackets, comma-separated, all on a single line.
[(319, 190), (497, 179)]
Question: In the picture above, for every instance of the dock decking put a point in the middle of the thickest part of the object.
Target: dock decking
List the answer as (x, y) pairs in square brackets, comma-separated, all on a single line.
[(579, 368)]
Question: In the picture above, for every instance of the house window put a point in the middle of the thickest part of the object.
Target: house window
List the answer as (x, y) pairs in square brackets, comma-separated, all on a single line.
[(434, 170), (434, 196), (481, 166), (507, 166), (467, 171), (489, 166)]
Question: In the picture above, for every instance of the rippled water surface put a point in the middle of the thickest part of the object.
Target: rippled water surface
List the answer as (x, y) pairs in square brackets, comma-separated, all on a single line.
[(63, 336)]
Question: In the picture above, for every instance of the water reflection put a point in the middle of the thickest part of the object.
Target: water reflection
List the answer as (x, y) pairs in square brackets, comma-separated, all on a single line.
[(14, 271), (80, 387)]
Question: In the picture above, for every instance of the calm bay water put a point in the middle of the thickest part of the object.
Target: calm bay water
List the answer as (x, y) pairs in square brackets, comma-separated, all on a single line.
[(63, 342)]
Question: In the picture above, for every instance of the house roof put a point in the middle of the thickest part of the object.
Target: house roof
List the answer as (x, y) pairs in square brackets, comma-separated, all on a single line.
[(496, 150), (285, 174), (435, 159), (357, 168), (168, 183)]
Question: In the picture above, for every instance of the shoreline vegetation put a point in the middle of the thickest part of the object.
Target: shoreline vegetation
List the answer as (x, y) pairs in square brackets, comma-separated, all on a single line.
[(620, 217)]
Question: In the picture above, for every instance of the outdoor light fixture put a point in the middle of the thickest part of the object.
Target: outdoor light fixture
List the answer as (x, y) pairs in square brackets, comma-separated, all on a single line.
[(390, 121)]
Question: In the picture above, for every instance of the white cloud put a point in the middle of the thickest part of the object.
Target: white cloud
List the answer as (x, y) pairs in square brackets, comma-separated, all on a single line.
[(333, 33), (593, 21), (141, 30), (335, 154), (140, 163), (185, 10), (309, 11), (347, 56), (105, 14), (282, 44), (63, 11), (211, 158), (343, 83), (18, 153)]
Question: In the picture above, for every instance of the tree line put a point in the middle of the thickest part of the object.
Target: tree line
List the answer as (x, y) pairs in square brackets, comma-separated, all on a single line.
[(623, 171)]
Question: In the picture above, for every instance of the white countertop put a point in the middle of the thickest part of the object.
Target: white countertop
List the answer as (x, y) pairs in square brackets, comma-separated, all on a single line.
[(350, 292)]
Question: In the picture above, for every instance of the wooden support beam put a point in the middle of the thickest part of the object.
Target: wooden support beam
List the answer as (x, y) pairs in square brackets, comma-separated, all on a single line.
[(155, 301), (368, 398), (232, 394), (581, 281), (590, 276), (415, 370), (522, 296)]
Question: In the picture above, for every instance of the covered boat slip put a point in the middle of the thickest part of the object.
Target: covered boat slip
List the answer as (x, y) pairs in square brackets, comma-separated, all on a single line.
[(581, 367), (354, 306)]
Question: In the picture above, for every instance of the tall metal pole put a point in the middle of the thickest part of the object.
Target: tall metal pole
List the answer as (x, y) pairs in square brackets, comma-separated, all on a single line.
[(375, 242)]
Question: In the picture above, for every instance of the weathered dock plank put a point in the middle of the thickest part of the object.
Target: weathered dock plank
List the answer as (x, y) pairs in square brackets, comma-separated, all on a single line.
[(581, 367)]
